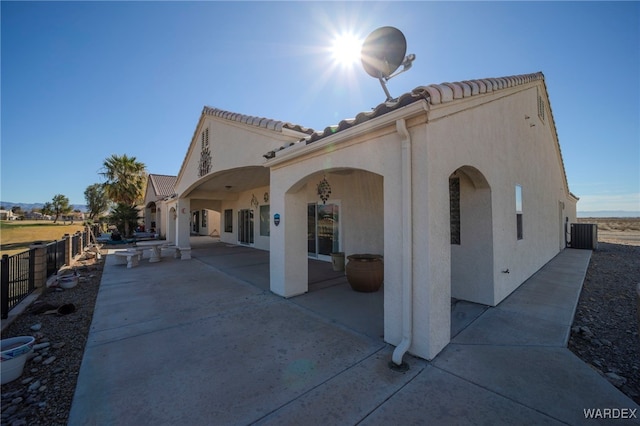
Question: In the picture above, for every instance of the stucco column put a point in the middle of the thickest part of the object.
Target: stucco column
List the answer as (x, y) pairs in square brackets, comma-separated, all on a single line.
[(39, 264), (159, 227), (81, 242), (431, 267), (68, 244), (183, 229), (288, 253)]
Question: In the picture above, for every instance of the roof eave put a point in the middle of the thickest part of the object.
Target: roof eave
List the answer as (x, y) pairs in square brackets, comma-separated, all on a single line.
[(409, 111)]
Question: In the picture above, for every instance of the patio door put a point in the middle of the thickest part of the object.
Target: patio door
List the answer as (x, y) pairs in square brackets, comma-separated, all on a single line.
[(195, 222), (245, 226), (323, 230)]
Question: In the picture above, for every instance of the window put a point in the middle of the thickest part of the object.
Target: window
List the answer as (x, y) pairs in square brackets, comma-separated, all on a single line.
[(519, 212), (228, 220), (264, 221), (204, 218), (454, 209)]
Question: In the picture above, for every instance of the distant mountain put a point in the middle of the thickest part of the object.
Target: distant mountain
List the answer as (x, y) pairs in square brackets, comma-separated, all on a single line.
[(27, 207), (609, 213)]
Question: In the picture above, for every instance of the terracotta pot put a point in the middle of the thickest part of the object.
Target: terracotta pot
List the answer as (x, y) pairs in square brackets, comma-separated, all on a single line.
[(365, 272)]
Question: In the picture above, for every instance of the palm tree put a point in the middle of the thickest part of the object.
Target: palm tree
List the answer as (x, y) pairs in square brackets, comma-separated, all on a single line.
[(125, 217), (125, 179), (125, 182)]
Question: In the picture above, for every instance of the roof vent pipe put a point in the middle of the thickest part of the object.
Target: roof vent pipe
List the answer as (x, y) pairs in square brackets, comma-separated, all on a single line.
[(407, 249)]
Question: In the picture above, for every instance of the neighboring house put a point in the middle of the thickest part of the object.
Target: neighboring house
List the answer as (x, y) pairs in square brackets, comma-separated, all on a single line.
[(7, 215), (460, 186), (159, 187)]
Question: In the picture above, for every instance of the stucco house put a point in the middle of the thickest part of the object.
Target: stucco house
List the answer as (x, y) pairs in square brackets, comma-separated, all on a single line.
[(159, 187), (460, 186), (7, 215)]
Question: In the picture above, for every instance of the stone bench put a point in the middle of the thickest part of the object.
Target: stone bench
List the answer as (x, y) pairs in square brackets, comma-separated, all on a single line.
[(130, 257)]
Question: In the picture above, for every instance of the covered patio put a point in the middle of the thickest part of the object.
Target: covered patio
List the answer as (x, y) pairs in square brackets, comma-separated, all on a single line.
[(330, 295)]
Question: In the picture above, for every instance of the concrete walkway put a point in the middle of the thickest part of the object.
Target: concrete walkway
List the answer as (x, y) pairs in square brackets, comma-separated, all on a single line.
[(203, 342)]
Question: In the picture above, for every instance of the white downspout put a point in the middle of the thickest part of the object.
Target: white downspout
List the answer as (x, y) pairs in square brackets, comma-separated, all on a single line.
[(407, 245)]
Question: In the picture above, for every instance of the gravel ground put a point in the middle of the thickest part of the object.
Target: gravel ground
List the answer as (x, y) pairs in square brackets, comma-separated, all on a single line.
[(44, 392), (605, 327), (604, 335)]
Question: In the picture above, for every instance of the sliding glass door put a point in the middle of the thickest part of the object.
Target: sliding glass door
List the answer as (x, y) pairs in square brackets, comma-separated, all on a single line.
[(245, 226), (323, 230)]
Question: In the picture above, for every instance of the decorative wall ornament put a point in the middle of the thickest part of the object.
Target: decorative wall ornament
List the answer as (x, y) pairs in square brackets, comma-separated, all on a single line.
[(204, 166), (254, 201), (324, 190), (205, 162), (266, 197)]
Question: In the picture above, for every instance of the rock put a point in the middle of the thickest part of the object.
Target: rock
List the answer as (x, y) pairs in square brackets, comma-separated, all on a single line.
[(26, 380), (40, 346), (33, 386), (49, 360), (37, 359), (586, 331), (10, 410), (36, 327), (58, 345), (616, 380)]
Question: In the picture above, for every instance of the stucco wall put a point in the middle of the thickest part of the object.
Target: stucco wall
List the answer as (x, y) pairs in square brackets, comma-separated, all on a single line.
[(508, 149)]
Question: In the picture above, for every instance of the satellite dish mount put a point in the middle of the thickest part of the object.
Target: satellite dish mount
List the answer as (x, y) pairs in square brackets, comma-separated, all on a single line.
[(383, 52)]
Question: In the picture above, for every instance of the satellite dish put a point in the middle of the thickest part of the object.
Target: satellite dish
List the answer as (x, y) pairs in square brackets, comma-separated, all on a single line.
[(383, 52)]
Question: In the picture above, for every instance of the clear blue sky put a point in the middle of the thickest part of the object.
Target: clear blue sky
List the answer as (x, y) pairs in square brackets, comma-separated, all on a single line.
[(81, 81)]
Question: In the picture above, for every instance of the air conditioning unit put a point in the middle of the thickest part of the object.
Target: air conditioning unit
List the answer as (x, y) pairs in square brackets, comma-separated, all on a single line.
[(584, 236)]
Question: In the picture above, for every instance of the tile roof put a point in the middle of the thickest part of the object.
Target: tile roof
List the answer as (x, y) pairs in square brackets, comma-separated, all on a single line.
[(434, 94), (163, 185), (265, 123)]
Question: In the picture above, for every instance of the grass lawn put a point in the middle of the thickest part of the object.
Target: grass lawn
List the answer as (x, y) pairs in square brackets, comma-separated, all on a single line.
[(17, 235)]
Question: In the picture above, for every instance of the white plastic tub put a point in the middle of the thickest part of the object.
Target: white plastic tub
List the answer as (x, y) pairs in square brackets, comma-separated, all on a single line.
[(13, 355)]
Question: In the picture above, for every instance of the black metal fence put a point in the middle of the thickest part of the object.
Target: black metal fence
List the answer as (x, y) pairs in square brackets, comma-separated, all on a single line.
[(18, 270), (17, 279), (56, 252)]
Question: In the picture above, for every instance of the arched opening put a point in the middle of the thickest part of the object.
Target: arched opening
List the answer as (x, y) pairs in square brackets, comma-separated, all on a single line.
[(471, 245), (337, 211)]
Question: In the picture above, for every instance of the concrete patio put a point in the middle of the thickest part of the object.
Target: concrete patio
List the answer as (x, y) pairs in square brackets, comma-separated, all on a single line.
[(205, 342)]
